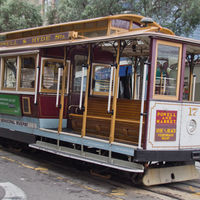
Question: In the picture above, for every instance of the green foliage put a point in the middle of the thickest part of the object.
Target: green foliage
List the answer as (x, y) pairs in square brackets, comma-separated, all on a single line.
[(18, 15), (71, 10), (181, 16)]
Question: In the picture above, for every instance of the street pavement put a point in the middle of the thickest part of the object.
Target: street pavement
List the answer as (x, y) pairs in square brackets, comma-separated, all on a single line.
[(24, 178)]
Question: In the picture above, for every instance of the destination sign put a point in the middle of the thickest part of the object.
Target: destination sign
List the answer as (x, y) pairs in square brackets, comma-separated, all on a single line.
[(165, 125), (37, 39)]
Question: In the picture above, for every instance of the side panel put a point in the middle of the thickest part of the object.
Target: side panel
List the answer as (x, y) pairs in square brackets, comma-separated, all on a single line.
[(163, 125), (190, 126)]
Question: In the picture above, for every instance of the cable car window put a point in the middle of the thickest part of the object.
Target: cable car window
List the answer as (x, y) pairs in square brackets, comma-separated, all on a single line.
[(101, 79), (192, 78), (125, 82), (27, 72), (50, 75), (79, 62), (119, 23), (10, 73), (167, 70)]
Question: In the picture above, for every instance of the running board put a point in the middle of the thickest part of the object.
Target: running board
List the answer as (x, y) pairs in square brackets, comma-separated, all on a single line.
[(88, 157), (157, 176)]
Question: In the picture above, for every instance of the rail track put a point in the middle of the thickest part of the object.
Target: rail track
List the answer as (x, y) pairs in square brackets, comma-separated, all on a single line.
[(119, 185)]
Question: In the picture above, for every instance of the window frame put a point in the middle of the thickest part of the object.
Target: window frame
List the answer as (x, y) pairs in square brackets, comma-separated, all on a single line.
[(92, 92), (19, 76), (3, 71), (67, 75), (161, 96), (43, 60), (73, 73)]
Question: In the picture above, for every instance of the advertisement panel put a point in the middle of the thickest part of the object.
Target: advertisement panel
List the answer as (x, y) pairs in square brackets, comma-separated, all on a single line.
[(165, 125), (10, 104)]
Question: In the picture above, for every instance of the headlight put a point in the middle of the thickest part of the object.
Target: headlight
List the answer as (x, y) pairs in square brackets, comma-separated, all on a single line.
[(191, 126)]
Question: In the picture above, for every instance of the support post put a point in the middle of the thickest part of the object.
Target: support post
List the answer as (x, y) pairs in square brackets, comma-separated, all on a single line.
[(62, 98), (114, 104), (83, 131)]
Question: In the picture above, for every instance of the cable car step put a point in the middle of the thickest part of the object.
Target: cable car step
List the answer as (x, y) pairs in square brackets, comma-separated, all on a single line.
[(156, 176), (88, 157)]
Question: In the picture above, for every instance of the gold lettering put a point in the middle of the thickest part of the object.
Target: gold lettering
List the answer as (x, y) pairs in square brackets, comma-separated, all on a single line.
[(34, 40), (193, 111)]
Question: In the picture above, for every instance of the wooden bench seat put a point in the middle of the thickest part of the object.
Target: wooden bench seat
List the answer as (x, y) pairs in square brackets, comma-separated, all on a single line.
[(99, 121)]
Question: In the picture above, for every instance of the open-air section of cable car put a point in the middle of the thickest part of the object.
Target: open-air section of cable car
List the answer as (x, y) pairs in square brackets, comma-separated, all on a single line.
[(119, 91)]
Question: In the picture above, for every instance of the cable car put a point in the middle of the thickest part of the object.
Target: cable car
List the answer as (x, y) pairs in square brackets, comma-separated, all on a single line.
[(118, 91)]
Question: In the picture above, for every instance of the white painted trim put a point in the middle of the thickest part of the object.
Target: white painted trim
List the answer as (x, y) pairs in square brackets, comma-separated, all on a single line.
[(16, 92), (96, 139), (70, 134), (19, 53)]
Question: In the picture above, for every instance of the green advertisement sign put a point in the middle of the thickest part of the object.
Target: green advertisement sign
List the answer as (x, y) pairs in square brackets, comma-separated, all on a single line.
[(10, 104)]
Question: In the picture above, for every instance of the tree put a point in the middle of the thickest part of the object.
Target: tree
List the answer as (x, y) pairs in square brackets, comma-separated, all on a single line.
[(71, 10), (181, 16), (18, 15)]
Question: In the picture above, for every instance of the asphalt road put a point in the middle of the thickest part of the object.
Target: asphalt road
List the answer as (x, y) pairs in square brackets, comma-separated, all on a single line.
[(32, 177)]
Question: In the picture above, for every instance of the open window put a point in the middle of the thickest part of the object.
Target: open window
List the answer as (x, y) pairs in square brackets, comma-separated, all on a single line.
[(9, 75), (27, 72), (79, 62), (101, 77), (167, 70), (191, 91), (49, 79)]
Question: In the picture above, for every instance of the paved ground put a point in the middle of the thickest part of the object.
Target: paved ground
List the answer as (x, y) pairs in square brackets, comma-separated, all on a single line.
[(22, 177)]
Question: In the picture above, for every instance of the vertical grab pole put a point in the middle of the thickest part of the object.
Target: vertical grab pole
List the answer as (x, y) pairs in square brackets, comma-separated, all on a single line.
[(194, 86), (58, 86), (68, 77), (83, 131), (110, 89), (142, 106), (165, 81), (62, 96), (81, 91), (37, 78), (114, 104)]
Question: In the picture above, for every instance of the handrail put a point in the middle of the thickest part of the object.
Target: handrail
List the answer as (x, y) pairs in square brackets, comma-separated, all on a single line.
[(194, 86), (110, 90), (81, 91), (68, 77), (37, 78), (142, 106), (58, 85)]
